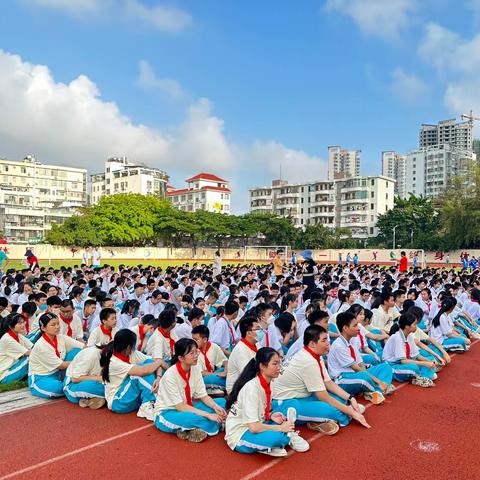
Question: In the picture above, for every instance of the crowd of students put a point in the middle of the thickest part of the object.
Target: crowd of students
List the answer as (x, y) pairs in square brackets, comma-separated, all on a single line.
[(254, 350)]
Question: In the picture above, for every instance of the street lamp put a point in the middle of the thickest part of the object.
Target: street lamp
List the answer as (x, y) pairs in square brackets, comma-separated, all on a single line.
[(394, 228)]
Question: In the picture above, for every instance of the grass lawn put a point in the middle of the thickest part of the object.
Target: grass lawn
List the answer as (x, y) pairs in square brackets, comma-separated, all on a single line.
[(115, 263), (13, 386)]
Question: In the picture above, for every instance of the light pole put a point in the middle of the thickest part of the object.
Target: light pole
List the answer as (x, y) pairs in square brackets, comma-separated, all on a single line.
[(394, 228)]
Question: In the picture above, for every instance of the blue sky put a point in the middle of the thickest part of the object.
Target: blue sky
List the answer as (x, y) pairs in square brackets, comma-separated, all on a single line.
[(232, 87)]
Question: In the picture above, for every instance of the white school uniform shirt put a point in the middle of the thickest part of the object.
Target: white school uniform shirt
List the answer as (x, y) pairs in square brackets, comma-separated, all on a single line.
[(223, 333), (11, 351), (171, 390), (125, 320), (136, 330), (86, 362), (159, 347), (339, 358), (472, 308), (381, 319), (80, 316), (444, 329), (237, 360), (20, 299), (301, 311), (44, 361), (395, 347), (300, 378), (272, 338), (215, 356), (249, 408), (183, 330), (140, 299), (362, 335), (76, 326), (97, 337), (148, 308), (118, 372)]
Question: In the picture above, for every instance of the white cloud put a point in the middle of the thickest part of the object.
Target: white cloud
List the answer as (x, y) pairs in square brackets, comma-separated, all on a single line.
[(70, 124), (458, 62), (168, 19), (383, 18), (160, 17), (148, 80), (296, 165), (408, 86)]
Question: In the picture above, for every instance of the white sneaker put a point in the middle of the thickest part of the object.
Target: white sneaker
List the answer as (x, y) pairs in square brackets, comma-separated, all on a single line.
[(146, 411), (275, 452), (291, 415), (435, 376), (298, 443)]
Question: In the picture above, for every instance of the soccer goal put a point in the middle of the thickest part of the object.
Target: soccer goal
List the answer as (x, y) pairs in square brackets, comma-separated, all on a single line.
[(266, 253)]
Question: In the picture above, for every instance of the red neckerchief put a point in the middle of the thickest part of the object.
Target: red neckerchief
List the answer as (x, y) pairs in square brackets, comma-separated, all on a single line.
[(53, 343), (141, 334), (208, 365), (170, 339), (13, 335), (253, 348), (362, 341), (106, 332), (186, 378), (267, 339), (317, 358), (123, 358), (352, 352), (69, 324), (407, 350), (231, 330), (268, 393), (85, 322), (27, 322)]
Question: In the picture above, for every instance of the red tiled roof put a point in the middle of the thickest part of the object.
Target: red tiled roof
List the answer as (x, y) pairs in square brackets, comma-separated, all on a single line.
[(206, 176), (193, 190)]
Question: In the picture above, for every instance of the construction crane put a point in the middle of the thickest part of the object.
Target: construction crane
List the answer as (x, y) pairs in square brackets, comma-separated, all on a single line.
[(471, 118)]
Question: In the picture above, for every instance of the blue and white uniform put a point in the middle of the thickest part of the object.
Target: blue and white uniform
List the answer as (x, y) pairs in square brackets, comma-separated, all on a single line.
[(13, 361), (441, 334)]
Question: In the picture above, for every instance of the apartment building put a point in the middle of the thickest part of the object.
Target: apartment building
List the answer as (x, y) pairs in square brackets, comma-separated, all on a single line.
[(33, 196), (447, 132), (204, 191), (121, 176), (343, 162), (354, 203), (393, 166)]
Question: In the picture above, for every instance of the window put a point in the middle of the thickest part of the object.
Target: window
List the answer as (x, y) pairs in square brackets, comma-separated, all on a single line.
[(386, 196), (373, 182), (372, 194)]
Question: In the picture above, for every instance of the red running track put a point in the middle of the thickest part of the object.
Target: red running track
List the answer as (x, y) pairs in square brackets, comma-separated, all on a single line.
[(427, 433)]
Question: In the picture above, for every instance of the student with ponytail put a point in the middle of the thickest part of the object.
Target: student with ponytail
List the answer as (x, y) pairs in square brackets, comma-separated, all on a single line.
[(402, 354), (129, 376), (50, 357), (361, 340), (251, 425), (183, 405), (129, 313), (15, 349), (442, 329)]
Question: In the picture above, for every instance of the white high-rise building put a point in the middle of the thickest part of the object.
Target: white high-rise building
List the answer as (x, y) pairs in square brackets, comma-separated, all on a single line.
[(204, 191), (354, 203), (33, 196), (393, 166), (121, 176), (447, 132), (343, 163), (428, 170)]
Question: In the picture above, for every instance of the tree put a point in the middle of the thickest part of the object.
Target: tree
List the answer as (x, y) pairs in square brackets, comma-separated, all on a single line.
[(416, 223), (76, 231)]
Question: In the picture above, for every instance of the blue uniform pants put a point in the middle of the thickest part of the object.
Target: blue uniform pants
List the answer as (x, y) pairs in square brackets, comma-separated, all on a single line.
[(358, 382), (17, 371)]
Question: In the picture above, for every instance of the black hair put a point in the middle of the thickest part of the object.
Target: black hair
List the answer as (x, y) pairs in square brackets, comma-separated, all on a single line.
[(44, 320), (246, 324), (29, 308), (9, 322), (356, 309), (284, 322), (167, 318), (54, 300), (447, 305), (129, 304), (149, 319), (105, 313), (405, 320), (291, 297), (182, 348), (201, 330), (123, 340), (316, 315), (251, 370), (344, 319), (231, 307), (312, 334), (195, 313)]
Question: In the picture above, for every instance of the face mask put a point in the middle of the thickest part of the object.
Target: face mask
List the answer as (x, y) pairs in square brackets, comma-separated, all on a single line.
[(43, 307), (260, 335)]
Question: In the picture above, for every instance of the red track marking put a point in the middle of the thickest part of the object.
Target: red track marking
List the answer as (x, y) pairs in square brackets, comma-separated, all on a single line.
[(123, 446)]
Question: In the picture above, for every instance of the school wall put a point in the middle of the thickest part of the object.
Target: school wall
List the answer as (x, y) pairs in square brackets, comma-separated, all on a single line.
[(47, 252)]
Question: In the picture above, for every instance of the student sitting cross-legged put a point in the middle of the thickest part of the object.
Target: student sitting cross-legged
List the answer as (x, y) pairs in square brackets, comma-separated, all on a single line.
[(251, 425), (306, 386), (346, 367)]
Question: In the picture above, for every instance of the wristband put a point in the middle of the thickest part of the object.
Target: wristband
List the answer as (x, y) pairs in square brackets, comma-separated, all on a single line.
[(349, 399)]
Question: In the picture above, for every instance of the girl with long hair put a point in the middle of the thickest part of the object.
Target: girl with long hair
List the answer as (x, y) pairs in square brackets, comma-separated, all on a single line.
[(183, 405), (251, 425)]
